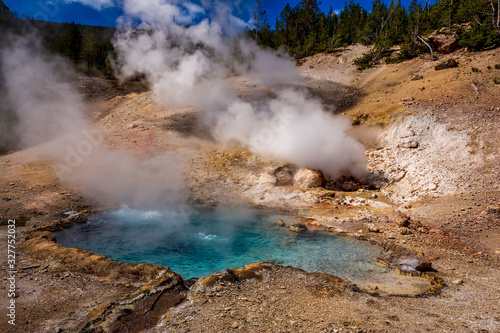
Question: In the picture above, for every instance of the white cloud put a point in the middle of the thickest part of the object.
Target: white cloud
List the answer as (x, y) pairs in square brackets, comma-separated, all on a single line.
[(153, 11), (96, 4)]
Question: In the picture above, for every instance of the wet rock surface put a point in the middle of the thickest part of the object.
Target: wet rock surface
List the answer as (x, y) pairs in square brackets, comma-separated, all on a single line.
[(280, 223), (405, 260), (298, 227)]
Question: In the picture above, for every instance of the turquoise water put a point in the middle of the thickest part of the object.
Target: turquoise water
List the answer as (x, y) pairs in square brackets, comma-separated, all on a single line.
[(202, 242)]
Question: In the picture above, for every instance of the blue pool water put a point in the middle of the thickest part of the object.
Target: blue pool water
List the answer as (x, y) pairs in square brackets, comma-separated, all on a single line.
[(197, 244)]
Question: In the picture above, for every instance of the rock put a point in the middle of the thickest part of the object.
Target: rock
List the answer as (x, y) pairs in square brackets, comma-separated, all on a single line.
[(374, 195), (372, 228), (409, 144), (298, 227), (444, 41), (416, 77), (350, 186), (284, 174), (405, 259), (447, 64), (405, 231), (401, 219), (280, 223), (493, 209), (457, 281), (423, 230), (235, 324), (407, 269), (308, 178)]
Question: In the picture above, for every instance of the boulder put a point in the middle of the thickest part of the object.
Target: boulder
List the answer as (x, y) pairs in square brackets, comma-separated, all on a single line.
[(308, 178), (372, 228), (450, 63), (444, 41), (401, 220), (280, 223), (494, 208), (404, 259), (350, 186), (284, 174), (298, 227)]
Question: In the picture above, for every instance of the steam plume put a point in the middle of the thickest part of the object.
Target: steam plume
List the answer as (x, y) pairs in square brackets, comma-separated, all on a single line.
[(45, 105), (51, 115), (190, 65)]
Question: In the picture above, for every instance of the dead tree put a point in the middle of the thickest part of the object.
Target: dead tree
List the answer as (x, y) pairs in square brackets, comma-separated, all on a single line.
[(429, 46), (493, 13), (258, 17), (384, 22)]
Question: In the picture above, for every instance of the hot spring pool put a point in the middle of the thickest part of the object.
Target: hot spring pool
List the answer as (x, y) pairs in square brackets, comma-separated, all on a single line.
[(211, 240)]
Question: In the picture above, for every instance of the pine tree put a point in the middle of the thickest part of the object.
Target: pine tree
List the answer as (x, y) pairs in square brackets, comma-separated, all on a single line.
[(352, 21), (69, 42), (258, 18), (283, 26)]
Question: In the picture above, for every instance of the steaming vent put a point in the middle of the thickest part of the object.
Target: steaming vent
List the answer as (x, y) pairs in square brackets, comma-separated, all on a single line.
[(197, 65)]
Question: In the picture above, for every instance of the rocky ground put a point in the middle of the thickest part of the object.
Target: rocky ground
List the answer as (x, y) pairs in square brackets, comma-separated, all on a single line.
[(433, 146)]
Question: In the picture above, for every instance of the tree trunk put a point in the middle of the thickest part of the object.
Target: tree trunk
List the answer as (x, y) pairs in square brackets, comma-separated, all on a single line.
[(430, 48), (498, 14), (256, 17), (384, 22), (492, 12)]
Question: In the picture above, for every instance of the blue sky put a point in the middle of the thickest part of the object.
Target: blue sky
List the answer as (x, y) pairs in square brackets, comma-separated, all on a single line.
[(72, 10)]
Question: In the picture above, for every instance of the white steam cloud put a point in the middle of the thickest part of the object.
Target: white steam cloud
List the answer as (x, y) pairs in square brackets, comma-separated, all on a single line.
[(50, 115), (192, 65), (45, 106)]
